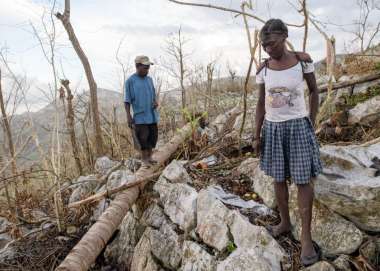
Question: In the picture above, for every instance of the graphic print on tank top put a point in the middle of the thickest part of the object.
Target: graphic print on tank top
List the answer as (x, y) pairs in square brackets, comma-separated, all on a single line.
[(281, 96)]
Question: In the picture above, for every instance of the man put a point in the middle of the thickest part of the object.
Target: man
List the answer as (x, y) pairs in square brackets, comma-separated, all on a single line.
[(141, 94), (285, 138)]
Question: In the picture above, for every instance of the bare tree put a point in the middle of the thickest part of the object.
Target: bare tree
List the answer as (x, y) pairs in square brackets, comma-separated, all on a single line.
[(8, 132), (65, 19), (366, 32), (210, 69), (177, 68), (70, 121), (252, 50)]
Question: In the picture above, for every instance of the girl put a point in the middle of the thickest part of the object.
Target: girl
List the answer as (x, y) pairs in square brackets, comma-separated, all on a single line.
[(285, 140)]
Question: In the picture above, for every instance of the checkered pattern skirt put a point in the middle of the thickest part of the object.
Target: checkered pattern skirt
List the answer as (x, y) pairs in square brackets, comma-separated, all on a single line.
[(289, 150)]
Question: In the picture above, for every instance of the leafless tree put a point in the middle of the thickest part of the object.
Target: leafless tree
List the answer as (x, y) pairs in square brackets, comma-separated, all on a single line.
[(177, 67), (65, 19), (366, 31), (8, 133), (70, 120)]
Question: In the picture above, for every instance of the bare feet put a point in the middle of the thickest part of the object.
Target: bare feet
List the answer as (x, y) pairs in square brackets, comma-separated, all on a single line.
[(310, 253), (277, 230)]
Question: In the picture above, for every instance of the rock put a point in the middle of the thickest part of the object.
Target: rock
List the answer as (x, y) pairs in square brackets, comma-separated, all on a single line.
[(366, 112), (219, 123), (120, 177), (344, 78), (176, 173), (4, 223), (370, 250), (247, 235), (246, 259), (363, 87), (262, 184), (180, 201), (7, 254), (84, 186), (5, 238), (196, 258), (166, 246), (142, 259), (342, 263), (103, 164), (350, 186), (331, 232), (153, 216), (120, 250), (320, 266), (219, 226), (211, 221)]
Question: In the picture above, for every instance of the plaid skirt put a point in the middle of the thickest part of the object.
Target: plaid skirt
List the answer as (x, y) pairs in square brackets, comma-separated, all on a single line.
[(290, 150)]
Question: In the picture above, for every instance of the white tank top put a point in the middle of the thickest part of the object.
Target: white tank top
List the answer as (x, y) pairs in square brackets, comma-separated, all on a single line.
[(284, 92)]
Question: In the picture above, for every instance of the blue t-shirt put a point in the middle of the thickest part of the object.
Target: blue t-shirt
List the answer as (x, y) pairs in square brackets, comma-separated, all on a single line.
[(140, 93)]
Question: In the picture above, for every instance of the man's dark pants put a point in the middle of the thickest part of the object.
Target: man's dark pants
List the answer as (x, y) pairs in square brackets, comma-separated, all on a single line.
[(147, 135)]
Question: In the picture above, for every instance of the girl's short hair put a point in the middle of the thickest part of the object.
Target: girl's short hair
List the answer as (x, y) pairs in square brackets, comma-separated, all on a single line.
[(273, 26)]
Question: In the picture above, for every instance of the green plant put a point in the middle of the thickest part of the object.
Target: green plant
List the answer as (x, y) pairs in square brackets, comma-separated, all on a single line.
[(231, 247)]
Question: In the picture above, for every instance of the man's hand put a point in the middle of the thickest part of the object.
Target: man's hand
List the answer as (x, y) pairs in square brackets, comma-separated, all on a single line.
[(256, 147), (155, 104), (130, 122)]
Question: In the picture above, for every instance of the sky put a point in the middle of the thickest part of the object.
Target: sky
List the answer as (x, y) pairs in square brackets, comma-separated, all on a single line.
[(142, 27)]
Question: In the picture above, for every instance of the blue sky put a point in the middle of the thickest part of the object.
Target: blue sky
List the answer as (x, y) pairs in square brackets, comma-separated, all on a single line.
[(144, 25)]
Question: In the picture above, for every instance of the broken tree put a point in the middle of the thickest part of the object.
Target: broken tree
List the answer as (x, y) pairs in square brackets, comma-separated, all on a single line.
[(65, 19), (93, 242)]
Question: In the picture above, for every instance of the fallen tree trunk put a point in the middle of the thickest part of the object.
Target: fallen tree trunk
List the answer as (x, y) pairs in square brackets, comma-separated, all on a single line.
[(89, 247), (112, 191), (349, 83), (92, 243)]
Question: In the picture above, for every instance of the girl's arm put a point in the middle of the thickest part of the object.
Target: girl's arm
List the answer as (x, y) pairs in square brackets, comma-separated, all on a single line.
[(314, 95)]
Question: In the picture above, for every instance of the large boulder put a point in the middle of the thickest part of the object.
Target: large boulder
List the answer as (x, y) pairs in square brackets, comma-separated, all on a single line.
[(262, 184), (179, 201), (331, 232), (176, 173), (366, 112), (350, 185), (218, 227), (247, 259), (104, 164), (320, 266), (153, 216), (142, 259), (212, 217), (166, 246), (83, 187), (120, 251), (196, 258)]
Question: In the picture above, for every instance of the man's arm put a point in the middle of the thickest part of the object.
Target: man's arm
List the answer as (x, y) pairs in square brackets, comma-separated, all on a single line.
[(127, 107), (127, 103), (259, 118), (314, 95)]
